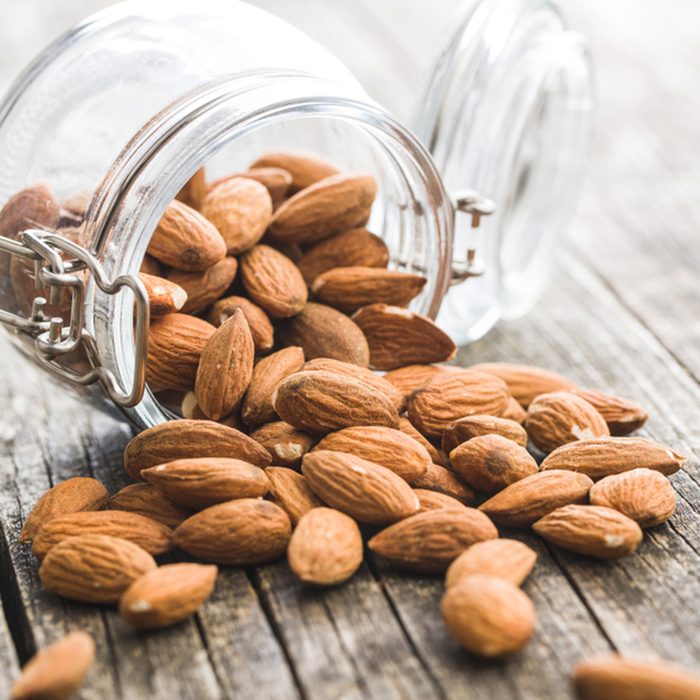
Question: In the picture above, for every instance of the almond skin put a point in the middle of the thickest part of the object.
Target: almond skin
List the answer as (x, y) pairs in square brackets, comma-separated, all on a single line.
[(398, 337), (349, 288), (58, 671), (437, 478), (144, 499), (438, 457), (506, 559), (489, 463), (622, 415), (475, 426), (644, 495), (592, 530), (356, 247), (150, 535), (365, 491), (150, 266), (291, 492), (603, 456), (71, 496), (556, 419), (285, 444), (324, 332), (241, 210), (515, 412), (615, 678), (164, 296), (412, 377), (186, 240), (277, 182), (244, 532), (175, 344), (94, 568), (449, 396), (305, 168), (260, 326), (205, 287), (531, 498), (268, 373), (225, 367), (201, 482), (32, 207), (273, 281), (433, 500), (180, 439), (326, 547), (488, 616), (428, 542), (320, 402), (167, 595), (194, 190), (327, 207), (526, 382), (385, 446)]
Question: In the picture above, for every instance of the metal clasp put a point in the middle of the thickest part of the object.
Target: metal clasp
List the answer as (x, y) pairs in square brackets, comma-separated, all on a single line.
[(470, 202), (54, 337)]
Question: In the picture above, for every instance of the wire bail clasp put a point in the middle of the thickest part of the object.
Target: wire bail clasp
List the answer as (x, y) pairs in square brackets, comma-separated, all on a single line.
[(470, 202)]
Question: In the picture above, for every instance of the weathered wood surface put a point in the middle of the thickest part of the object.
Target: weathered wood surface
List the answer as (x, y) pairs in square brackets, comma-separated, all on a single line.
[(621, 315)]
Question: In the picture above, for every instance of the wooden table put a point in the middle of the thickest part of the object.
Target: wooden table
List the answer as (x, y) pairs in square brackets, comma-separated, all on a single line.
[(622, 314)]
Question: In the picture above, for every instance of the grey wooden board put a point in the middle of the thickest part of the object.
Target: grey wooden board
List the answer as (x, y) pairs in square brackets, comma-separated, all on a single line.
[(621, 315)]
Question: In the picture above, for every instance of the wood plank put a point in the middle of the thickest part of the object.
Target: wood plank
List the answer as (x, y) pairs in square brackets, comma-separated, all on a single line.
[(9, 662)]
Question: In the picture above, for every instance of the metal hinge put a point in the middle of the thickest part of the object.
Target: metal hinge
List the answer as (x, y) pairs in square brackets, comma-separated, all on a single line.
[(56, 336), (470, 202)]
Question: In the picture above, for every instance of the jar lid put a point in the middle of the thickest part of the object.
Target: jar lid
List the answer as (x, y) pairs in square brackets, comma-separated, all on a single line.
[(506, 113)]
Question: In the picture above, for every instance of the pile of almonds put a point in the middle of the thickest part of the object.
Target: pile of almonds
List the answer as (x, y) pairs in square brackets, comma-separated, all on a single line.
[(291, 444)]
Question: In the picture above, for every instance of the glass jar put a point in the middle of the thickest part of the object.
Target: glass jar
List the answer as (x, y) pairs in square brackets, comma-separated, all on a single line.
[(133, 101)]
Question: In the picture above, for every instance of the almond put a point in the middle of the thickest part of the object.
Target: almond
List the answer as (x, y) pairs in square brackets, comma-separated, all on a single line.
[(245, 532), (167, 595), (438, 457), (531, 498), (351, 248), (320, 402), (175, 344), (526, 382), (514, 412), (144, 499), (509, 560), (58, 671), (204, 481), (428, 542), (349, 369), (284, 442), (180, 439), (469, 427), (194, 190), (398, 337), (70, 496), (644, 495), (408, 379), (488, 616), (150, 266), (599, 457), (74, 208), (150, 535), (363, 490), (277, 182), (449, 396), (305, 168), (615, 678), (273, 281), (94, 568), (556, 419), (349, 288), (437, 478), (291, 492), (268, 373), (324, 332), (164, 296), (385, 446), (225, 367), (258, 321), (186, 240), (327, 207), (622, 415), (489, 463), (326, 547), (433, 500), (592, 530), (241, 210), (205, 287)]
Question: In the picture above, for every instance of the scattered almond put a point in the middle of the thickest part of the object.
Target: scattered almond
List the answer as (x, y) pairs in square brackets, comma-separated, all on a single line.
[(469, 427), (438, 457), (433, 500), (203, 288), (507, 559), (145, 499), (260, 326), (305, 168), (164, 296), (437, 478), (622, 415), (412, 377), (291, 492), (285, 444)]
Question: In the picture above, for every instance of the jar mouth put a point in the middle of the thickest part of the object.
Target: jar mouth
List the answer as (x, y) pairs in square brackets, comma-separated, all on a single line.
[(232, 116)]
